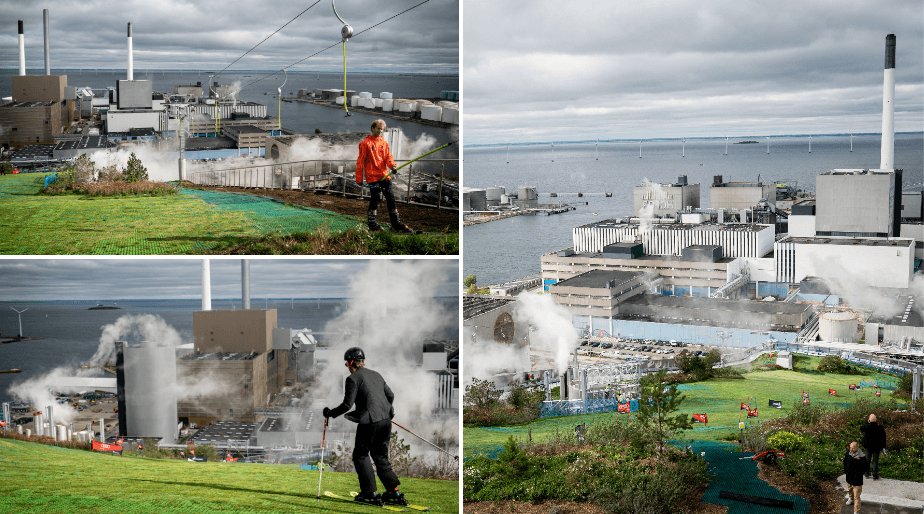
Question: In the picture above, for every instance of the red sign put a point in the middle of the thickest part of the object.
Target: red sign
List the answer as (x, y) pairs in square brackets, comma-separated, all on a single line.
[(806, 401), (2, 423), (878, 393), (700, 418), (832, 392), (752, 413), (853, 386), (103, 447), (623, 407), (743, 406)]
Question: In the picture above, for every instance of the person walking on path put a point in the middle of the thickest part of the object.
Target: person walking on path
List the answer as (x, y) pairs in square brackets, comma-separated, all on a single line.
[(874, 441), (855, 465), (373, 164), (374, 411)]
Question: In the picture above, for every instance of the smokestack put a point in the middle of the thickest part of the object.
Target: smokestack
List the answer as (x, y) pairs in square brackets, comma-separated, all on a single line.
[(131, 64), (22, 52), (888, 107), (47, 51), (206, 286), (245, 283)]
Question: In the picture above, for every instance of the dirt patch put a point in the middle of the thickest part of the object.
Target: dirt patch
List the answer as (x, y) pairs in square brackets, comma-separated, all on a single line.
[(427, 219), (823, 496)]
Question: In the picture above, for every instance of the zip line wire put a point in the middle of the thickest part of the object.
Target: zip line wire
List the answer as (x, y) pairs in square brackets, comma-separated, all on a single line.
[(267, 37), (329, 47)]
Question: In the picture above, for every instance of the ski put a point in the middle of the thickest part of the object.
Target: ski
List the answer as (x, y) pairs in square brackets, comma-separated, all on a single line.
[(344, 498), (415, 507)]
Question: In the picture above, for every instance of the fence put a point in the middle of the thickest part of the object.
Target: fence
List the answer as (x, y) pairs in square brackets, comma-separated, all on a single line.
[(425, 184)]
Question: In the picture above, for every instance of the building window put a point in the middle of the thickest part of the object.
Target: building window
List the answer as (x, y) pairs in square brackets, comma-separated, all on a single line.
[(271, 356), (504, 328)]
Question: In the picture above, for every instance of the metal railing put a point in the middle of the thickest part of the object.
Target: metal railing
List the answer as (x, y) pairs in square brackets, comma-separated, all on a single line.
[(424, 185)]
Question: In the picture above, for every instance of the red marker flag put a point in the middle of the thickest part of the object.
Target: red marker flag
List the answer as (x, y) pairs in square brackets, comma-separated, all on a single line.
[(752, 413), (878, 393), (103, 447), (832, 392), (853, 386), (700, 418), (623, 407), (743, 406), (806, 401)]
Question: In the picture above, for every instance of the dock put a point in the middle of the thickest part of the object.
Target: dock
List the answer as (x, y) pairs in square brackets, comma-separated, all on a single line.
[(485, 217), (10, 339)]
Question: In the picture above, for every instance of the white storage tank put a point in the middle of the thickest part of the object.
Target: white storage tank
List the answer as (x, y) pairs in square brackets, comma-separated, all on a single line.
[(494, 193), (339, 100), (28, 432), (388, 104), (477, 199), (431, 112), (405, 105), (385, 95), (838, 327), (419, 104), (377, 102), (60, 433), (370, 103), (354, 101), (527, 193), (450, 115), (365, 95)]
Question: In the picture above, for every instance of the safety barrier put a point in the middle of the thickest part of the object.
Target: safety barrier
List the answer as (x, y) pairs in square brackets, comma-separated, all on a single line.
[(590, 406)]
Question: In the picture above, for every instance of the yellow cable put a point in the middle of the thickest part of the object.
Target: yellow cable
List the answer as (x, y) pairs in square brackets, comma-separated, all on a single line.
[(344, 80)]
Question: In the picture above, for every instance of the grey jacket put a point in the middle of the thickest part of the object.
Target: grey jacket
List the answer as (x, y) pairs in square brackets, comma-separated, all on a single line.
[(371, 395)]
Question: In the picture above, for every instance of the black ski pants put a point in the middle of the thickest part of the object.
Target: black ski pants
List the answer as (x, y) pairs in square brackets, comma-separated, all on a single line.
[(372, 440)]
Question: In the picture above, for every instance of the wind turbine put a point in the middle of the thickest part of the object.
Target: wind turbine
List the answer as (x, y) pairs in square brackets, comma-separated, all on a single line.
[(684, 148), (20, 319), (553, 152), (726, 145), (851, 142), (508, 154), (768, 145), (810, 144), (639, 149), (596, 152)]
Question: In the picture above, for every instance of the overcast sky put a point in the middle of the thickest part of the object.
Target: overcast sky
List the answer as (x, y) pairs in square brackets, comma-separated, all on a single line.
[(99, 279), (210, 34), (550, 71)]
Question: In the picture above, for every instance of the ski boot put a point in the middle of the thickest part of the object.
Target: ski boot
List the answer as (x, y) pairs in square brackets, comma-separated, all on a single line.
[(372, 223), (396, 225), (370, 498), (394, 497)]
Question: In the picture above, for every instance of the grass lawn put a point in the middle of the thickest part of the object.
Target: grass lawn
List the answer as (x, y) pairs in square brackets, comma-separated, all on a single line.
[(192, 222), (36, 478), (718, 398)]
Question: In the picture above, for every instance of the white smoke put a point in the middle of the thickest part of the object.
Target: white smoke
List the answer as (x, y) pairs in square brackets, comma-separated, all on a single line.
[(391, 313), (554, 331), (413, 148), (646, 214), (134, 328), (485, 358)]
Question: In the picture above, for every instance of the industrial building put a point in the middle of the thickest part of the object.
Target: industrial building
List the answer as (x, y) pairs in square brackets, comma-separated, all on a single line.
[(665, 199), (600, 293), (739, 196), (488, 319), (858, 203), (880, 262)]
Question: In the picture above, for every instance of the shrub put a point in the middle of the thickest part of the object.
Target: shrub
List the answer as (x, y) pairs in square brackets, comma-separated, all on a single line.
[(481, 394), (787, 442), (805, 415), (134, 170), (834, 364)]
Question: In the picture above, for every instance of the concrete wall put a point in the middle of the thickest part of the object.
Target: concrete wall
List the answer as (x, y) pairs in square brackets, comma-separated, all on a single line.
[(802, 226), (134, 94), (881, 266), (234, 331), (668, 200), (861, 204), (736, 337), (150, 396), (29, 123), (596, 301), (124, 121), (740, 197), (672, 239), (38, 88), (479, 330), (672, 271)]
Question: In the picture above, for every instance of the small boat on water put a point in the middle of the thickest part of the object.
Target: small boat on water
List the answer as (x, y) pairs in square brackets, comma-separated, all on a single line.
[(14, 370), (101, 307)]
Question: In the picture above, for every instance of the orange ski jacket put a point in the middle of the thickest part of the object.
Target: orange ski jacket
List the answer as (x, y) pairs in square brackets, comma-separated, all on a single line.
[(375, 158)]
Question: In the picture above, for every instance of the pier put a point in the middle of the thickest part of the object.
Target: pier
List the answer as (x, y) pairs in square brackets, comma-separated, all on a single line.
[(486, 216), (372, 112)]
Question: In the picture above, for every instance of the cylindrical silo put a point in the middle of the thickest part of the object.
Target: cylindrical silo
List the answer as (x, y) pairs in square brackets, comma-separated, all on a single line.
[(150, 391), (385, 95), (28, 432), (354, 101), (38, 423), (339, 100), (478, 199), (493, 195), (365, 95), (388, 104), (838, 327), (431, 112), (60, 433), (377, 102), (527, 193)]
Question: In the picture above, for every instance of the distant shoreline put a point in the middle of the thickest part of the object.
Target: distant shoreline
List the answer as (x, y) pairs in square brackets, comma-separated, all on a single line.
[(662, 139)]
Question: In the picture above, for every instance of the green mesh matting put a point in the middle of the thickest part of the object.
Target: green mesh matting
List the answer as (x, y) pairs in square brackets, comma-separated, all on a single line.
[(189, 223), (730, 473), (269, 215)]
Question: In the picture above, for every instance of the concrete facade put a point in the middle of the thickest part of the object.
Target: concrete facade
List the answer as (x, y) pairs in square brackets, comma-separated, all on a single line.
[(134, 94), (857, 203), (879, 262), (237, 394), (599, 292), (38, 88), (736, 240), (239, 331), (30, 122), (124, 121), (666, 199), (739, 196), (490, 320), (744, 314), (245, 135)]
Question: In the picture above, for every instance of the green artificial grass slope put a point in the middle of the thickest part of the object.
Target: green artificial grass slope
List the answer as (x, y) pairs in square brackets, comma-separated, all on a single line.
[(42, 479), (719, 398)]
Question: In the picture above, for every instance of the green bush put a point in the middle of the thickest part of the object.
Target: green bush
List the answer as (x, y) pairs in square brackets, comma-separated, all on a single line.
[(834, 364), (787, 442), (805, 415)]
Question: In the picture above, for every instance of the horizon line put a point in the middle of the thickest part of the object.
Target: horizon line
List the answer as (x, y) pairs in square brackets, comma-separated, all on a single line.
[(692, 138)]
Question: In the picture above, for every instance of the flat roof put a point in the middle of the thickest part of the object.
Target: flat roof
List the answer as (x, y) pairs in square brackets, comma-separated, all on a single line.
[(226, 431), (83, 142), (850, 241), (218, 356), (245, 129), (474, 305), (622, 257), (736, 227), (857, 347), (345, 138), (743, 306), (908, 315), (209, 143), (598, 278), (288, 424), (33, 151)]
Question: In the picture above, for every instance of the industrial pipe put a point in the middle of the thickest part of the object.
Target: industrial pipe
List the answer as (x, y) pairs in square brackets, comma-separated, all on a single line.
[(131, 62), (245, 283), (206, 286)]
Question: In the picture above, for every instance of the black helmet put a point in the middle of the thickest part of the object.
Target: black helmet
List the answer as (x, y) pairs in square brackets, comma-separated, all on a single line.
[(354, 354)]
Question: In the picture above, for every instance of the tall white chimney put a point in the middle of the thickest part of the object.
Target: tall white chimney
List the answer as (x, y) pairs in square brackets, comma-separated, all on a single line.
[(131, 63), (47, 51), (206, 286), (245, 283), (22, 52), (888, 107)]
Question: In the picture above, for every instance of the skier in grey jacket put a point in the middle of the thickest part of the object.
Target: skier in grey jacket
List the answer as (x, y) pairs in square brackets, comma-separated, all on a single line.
[(373, 399)]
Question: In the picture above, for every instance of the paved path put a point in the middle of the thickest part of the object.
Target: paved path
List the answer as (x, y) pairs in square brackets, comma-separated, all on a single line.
[(887, 496)]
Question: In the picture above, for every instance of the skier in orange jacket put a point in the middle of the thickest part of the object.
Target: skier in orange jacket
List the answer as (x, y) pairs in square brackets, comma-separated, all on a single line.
[(373, 164)]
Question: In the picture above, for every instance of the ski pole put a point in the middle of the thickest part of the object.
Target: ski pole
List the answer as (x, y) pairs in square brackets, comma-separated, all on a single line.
[(414, 159), (321, 466), (428, 442)]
